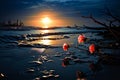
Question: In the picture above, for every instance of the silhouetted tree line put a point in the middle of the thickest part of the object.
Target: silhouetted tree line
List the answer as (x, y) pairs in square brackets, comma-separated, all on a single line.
[(10, 23)]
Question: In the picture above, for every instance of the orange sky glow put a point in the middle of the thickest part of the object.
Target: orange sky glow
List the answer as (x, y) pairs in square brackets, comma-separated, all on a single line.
[(56, 19)]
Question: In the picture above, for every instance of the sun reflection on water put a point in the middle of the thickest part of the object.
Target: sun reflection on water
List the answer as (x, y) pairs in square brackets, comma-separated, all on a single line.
[(53, 40), (44, 31), (46, 42)]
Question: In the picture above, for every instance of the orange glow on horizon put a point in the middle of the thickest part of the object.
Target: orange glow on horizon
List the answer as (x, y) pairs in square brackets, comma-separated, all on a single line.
[(48, 19)]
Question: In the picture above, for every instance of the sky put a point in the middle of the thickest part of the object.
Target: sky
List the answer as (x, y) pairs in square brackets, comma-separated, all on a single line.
[(61, 12)]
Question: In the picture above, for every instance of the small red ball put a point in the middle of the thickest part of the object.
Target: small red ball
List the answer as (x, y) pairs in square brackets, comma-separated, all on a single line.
[(92, 48), (65, 46), (81, 38)]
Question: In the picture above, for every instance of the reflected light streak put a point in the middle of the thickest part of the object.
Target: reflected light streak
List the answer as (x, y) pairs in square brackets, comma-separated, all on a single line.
[(40, 50), (46, 42), (44, 31)]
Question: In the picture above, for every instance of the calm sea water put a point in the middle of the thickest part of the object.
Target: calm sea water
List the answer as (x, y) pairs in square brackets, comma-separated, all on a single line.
[(16, 62), (37, 31)]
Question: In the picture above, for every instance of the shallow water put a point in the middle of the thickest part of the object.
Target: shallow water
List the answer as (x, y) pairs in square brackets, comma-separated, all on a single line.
[(36, 31), (16, 60)]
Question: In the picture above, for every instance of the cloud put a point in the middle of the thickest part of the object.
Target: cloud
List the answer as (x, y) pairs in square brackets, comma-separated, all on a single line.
[(25, 2), (39, 6), (59, 0), (66, 8), (69, 0)]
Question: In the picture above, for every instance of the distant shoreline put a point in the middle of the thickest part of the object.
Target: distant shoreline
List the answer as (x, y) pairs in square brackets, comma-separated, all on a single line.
[(26, 28)]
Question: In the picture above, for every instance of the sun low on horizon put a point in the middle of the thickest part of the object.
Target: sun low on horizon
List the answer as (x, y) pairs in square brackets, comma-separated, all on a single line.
[(48, 19), (46, 22)]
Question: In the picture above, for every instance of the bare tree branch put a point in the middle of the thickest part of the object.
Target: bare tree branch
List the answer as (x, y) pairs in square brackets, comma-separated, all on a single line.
[(96, 21), (108, 27), (111, 15)]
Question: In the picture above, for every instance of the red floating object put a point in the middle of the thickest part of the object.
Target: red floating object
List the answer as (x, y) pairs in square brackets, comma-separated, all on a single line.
[(65, 62), (65, 46), (92, 48), (81, 38), (92, 67)]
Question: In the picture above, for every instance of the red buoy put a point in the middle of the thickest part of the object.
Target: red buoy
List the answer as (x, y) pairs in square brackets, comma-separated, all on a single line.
[(81, 38), (92, 48), (65, 46)]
